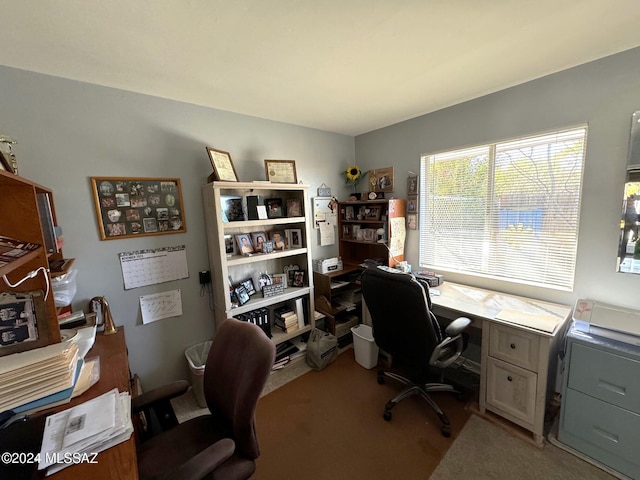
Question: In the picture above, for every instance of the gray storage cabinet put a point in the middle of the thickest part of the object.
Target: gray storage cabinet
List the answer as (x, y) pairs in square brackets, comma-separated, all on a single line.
[(600, 412)]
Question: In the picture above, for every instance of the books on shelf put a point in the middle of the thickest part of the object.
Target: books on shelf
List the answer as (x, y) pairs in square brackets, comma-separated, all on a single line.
[(285, 319), (46, 220)]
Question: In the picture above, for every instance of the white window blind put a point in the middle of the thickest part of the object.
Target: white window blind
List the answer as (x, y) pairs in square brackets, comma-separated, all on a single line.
[(508, 210)]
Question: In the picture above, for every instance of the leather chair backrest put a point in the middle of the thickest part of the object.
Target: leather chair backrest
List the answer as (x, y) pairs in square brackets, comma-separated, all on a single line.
[(403, 324)]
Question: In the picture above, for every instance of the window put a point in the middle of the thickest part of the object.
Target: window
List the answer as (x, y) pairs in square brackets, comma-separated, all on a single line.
[(508, 210)]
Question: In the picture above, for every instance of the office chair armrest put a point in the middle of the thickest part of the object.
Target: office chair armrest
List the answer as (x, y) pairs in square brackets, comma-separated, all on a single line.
[(457, 326), (448, 351), (202, 464), (159, 394)]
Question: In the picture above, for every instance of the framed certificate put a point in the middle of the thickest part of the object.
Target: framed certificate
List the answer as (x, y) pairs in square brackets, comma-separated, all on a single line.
[(223, 168), (281, 171)]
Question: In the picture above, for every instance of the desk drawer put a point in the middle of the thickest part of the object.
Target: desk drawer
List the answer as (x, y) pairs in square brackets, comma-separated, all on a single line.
[(514, 346), (511, 389), (606, 376), (606, 432)]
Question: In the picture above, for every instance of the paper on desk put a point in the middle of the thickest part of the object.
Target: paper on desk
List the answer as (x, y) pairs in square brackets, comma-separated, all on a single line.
[(545, 323), (118, 411)]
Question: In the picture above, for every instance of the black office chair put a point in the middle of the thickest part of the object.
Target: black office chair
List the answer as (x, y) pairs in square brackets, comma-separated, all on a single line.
[(405, 328)]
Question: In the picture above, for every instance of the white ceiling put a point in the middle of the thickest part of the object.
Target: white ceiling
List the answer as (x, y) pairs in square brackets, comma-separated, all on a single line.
[(347, 66)]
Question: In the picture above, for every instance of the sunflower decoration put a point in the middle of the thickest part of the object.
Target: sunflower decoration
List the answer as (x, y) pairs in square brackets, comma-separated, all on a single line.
[(353, 175)]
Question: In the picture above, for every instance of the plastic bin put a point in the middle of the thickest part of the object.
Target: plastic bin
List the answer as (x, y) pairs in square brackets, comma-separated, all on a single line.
[(64, 288), (364, 346), (197, 358)]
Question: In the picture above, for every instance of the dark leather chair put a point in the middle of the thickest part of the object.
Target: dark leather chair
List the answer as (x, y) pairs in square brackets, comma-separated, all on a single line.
[(405, 328), (222, 444)]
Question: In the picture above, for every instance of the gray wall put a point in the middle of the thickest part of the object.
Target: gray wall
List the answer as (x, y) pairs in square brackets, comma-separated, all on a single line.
[(603, 94), (68, 131)]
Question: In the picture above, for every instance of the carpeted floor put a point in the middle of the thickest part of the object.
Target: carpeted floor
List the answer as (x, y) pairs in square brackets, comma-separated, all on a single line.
[(485, 451), (329, 425)]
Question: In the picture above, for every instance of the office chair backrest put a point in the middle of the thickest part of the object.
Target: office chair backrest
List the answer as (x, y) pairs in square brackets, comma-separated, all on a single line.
[(237, 368), (403, 324)]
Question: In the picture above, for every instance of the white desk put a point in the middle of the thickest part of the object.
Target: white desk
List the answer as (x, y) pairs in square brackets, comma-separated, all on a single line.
[(517, 360)]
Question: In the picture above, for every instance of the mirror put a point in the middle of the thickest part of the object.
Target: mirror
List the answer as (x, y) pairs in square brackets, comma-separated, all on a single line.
[(629, 246)]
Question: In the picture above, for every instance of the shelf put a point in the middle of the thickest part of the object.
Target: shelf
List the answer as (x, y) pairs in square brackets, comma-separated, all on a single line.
[(358, 222), (345, 270), (270, 222), (18, 262), (257, 301), (278, 336), (363, 242), (259, 257)]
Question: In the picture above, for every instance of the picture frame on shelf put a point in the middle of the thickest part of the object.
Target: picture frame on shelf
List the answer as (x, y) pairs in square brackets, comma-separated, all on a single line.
[(264, 279), (348, 213), (25, 324), (381, 179), (280, 278), (281, 171), (279, 240), (267, 247), (289, 270), (241, 294), (298, 278), (229, 245), (223, 169), (346, 232), (248, 286), (137, 206), (369, 234), (294, 237), (274, 207), (372, 212), (294, 207), (257, 240), (244, 244), (232, 210)]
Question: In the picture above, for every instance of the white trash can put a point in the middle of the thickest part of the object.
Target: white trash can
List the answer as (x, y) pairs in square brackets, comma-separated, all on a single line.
[(197, 358), (365, 346)]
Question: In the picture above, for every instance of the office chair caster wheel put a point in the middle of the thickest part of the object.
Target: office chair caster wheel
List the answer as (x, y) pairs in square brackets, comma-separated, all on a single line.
[(380, 378), (386, 415), (446, 431)]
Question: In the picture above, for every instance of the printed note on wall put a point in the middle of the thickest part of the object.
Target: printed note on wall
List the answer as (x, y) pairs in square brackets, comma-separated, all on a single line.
[(160, 305)]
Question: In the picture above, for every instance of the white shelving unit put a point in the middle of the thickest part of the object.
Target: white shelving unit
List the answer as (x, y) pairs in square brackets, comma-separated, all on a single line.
[(241, 267)]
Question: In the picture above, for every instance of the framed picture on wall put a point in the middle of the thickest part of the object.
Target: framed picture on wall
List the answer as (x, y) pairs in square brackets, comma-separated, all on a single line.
[(381, 180), (134, 207)]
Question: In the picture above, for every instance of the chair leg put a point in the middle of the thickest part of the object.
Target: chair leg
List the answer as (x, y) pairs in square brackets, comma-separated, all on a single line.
[(422, 390)]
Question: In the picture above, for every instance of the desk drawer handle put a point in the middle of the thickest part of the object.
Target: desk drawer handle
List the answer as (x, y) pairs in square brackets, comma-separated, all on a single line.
[(513, 346), (510, 378), (611, 387), (603, 433)]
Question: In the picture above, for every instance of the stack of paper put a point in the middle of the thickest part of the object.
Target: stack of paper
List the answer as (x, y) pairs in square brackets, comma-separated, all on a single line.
[(38, 373), (73, 435)]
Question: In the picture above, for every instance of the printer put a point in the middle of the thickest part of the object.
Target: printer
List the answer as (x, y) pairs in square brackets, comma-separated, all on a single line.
[(609, 321)]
